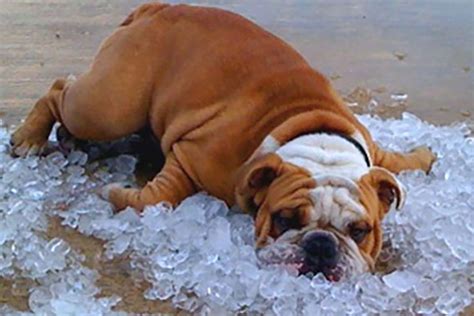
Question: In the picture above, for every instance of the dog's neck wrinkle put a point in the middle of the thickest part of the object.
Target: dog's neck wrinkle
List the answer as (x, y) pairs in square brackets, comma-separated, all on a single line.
[(325, 154)]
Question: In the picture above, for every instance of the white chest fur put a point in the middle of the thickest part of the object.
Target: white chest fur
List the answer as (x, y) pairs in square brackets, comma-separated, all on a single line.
[(325, 154)]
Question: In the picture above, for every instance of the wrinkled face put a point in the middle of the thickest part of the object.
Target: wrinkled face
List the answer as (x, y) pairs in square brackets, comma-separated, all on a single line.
[(332, 223)]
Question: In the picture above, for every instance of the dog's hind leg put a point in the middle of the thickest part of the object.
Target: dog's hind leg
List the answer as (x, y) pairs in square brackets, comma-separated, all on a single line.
[(171, 184), (31, 137), (420, 158)]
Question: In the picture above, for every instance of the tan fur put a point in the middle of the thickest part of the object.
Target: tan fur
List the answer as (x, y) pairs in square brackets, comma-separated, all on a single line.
[(378, 189), (212, 85)]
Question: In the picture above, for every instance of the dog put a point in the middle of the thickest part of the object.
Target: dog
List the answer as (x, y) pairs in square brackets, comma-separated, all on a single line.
[(239, 114)]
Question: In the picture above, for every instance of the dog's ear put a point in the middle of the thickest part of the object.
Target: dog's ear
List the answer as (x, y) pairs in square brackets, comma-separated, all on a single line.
[(263, 171), (254, 177), (387, 187)]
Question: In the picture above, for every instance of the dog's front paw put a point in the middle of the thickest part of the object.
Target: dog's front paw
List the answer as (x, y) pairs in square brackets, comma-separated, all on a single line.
[(106, 190), (116, 193), (425, 156), (25, 143)]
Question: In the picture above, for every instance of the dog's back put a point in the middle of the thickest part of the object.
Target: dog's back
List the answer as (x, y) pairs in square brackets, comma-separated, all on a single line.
[(209, 83), (222, 85)]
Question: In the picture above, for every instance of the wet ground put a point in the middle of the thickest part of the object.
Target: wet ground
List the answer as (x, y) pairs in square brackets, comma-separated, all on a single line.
[(371, 51)]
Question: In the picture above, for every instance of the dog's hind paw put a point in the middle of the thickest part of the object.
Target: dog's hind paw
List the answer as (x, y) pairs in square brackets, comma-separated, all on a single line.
[(426, 157), (24, 143)]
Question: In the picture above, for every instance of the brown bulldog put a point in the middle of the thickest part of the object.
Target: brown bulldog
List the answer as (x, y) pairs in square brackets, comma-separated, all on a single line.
[(241, 115)]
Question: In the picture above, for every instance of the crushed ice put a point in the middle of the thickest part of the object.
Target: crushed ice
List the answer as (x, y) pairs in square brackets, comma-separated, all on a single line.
[(201, 255)]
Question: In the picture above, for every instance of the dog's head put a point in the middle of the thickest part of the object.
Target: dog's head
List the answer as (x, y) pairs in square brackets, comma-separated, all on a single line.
[(333, 223)]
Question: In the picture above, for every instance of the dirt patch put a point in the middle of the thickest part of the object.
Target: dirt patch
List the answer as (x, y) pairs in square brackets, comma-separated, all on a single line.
[(115, 277)]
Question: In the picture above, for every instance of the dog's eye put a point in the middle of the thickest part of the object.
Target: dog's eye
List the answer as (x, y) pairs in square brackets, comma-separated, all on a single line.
[(358, 232), (282, 223)]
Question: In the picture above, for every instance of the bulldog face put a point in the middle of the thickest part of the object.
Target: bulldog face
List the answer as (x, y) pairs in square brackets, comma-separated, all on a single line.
[(333, 223)]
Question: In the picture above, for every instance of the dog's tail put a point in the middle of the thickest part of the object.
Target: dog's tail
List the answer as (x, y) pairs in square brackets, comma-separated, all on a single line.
[(144, 10)]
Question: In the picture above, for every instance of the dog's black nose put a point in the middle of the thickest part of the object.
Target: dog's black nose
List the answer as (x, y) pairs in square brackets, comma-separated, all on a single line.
[(321, 249)]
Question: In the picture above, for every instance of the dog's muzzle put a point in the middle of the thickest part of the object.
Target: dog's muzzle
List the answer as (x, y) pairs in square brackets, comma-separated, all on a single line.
[(309, 253), (321, 254)]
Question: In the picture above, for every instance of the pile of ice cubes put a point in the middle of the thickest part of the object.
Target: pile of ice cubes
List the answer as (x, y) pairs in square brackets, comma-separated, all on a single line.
[(201, 255)]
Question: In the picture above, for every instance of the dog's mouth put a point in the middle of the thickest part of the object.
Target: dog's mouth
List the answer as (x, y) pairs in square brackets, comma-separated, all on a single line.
[(293, 259), (333, 274)]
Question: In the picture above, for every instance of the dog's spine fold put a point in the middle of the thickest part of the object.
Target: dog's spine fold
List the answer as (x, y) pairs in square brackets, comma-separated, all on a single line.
[(144, 10)]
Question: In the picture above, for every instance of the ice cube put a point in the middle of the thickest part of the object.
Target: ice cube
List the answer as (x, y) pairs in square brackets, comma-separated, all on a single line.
[(242, 229), (426, 288), (401, 281), (273, 284), (58, 247), (453, 303), (125, 164), (38, 298), (219, 236), (399, 97), (162, 291), (117, 246), (285, 306), (219, 292), (202, 256), (77, 158)]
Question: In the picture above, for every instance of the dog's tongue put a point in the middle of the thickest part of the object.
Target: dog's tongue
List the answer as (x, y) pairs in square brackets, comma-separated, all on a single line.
[(334, 274)]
